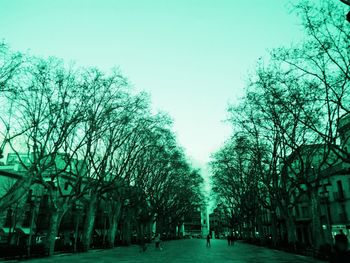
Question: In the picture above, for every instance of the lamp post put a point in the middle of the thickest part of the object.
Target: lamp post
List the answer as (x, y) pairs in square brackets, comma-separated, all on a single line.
[(325, 198)]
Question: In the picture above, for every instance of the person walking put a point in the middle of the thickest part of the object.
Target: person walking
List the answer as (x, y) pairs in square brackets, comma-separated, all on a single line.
[(232, 237), (157, 242), (143, 246), (208, 240), (229, 239)]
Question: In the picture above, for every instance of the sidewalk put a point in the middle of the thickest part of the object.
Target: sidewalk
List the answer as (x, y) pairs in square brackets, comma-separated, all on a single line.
[(183, 251)]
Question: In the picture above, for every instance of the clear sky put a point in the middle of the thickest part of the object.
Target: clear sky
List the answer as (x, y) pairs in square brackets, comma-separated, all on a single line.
[(192, 56)]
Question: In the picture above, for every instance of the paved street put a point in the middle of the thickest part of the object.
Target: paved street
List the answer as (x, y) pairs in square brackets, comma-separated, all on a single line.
[(183, 251)]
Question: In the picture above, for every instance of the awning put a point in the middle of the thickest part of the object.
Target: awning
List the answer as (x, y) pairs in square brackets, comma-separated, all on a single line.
[(24, 230), (4, 231)]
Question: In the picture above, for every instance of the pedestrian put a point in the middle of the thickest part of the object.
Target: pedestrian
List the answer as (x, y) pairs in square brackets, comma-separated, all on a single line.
[(232, 239), (208, 240), (229, 239), (157, 242), (341, 253), (143, 246)]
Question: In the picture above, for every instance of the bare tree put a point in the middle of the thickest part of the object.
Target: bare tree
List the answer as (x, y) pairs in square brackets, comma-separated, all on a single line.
[(322, 63)]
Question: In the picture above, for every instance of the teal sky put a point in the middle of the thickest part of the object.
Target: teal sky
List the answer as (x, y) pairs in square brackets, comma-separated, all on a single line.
[(192, 56)]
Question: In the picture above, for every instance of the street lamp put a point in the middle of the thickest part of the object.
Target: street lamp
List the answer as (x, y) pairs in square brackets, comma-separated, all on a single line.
[(325, 196)]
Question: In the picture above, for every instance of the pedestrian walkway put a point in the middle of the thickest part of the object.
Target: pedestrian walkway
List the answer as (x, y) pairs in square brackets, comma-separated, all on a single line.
[(183, 251)]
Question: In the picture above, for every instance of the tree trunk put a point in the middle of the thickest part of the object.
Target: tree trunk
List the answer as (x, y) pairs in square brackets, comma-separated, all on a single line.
[(126, 232), (178, 230), (76, 234), (34, 213), (317, 236), (89, 223), (160, 224), (113, 226), (148, 229), (291, 229), (52, 232), (140, 232), (259, 226), (274, 228), (127, 228)]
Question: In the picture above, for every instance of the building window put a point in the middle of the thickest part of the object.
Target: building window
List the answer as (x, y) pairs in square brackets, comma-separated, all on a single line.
[(9, 218), (27, 217), (340, 189), (297, 212), (343, 215), (305, 211)]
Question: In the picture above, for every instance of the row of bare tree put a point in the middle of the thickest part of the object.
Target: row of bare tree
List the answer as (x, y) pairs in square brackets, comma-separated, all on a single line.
[(88, 129), (286, 127)]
